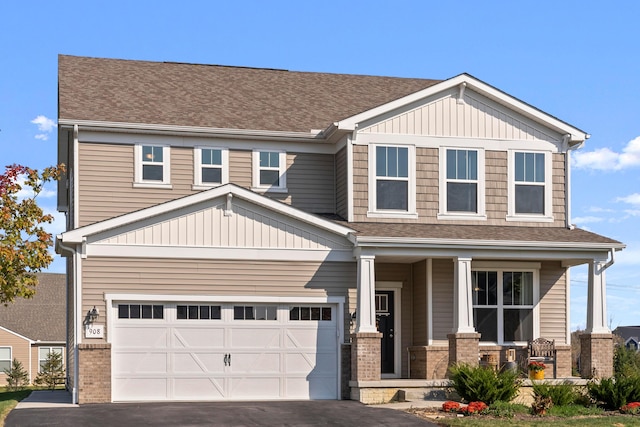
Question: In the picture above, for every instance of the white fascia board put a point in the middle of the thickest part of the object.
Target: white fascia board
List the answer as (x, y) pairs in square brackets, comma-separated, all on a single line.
[(463, 243), (169, 298), (30, 341), (479, 86), (311, 136), (77, 235)]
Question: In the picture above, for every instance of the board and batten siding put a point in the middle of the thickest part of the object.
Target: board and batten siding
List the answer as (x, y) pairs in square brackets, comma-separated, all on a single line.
[(211, 278), (477, 117), (553, 302)]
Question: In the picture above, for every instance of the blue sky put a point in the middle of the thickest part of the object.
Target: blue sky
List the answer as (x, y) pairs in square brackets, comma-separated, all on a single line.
[(576, 60)]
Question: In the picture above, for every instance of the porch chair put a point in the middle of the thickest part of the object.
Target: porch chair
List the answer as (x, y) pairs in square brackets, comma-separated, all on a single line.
[(542, 350)]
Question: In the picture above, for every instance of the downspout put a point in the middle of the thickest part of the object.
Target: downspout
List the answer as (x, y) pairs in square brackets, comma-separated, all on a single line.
[(611, 261), (76, 369)]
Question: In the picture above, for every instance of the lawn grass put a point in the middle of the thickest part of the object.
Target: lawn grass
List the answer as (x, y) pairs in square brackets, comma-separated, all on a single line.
[(9, 400)]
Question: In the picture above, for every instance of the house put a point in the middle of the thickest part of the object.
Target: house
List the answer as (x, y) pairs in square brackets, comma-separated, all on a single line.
[(629, 335), (30, 329), (239, 233)]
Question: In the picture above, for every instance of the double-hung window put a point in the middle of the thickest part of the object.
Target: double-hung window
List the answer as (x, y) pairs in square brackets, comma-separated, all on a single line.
[(503, 304), (5, 358), (392, 182), (462, 184), (152, 166), (43, 354), (530, 190), (269, 170), (211, 167)]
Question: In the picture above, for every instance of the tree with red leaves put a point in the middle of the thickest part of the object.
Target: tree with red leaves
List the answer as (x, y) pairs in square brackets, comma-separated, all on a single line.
[(24, 244)]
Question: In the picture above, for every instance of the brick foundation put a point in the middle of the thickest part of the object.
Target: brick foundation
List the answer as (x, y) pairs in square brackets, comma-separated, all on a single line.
[(94, 378), (365, 356), (464, 348), (596, 355)]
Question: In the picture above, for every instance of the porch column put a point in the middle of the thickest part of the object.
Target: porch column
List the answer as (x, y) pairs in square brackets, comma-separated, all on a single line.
[(596, 344), (464, 340), (366, 304), (597, 299), (366, 341), (462, 297)]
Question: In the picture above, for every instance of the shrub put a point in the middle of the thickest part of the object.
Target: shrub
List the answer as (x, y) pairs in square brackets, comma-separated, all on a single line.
[(482, 384), (51, 372), (626, 362), (613, 393), (17, 377), (560, 394)]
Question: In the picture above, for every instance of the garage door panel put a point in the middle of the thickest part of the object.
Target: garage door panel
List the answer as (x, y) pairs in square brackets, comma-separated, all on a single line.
[(304, 388), (195, 388), (310, 363), (261, 363), (310, 338), (141, 388), (142, 337), (255, 388), (141, 362), (248, 337), (203, 337), (199, 362)]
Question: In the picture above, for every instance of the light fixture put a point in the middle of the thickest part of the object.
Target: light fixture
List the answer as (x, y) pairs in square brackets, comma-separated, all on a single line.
[(93, 314)]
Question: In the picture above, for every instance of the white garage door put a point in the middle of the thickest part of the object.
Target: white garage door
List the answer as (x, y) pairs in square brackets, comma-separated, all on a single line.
[(210, 351)]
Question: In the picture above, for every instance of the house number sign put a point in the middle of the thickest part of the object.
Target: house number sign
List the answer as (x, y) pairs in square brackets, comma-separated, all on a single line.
[(94, 331)]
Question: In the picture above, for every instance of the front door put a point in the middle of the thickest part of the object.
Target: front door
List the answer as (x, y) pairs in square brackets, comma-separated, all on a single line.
[(385, 325)]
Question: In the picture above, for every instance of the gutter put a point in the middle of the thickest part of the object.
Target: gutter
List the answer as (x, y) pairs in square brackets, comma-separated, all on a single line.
[(76, 369)]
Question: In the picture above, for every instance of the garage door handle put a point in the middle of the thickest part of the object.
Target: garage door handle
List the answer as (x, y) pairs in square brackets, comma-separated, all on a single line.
[(227, 360)]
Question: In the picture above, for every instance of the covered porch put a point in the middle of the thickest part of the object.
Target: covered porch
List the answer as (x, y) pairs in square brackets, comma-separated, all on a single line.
[(422, 306)]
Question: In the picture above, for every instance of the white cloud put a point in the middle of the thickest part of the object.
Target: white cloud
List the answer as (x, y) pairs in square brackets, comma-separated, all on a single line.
[(597, 209), (632, 199), (606, 159), (45, 125), (47, 192), (587, 219)]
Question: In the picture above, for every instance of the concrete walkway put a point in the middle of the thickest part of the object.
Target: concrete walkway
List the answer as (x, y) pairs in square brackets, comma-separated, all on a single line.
[(46, 399)]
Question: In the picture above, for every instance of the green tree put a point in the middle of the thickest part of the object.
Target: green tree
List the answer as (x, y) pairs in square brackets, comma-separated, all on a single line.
[(24, 244), (17, 377), (51, 371)]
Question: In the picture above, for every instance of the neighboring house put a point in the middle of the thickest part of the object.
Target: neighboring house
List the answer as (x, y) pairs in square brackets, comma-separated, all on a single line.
[(629, 335), (239, 233), (32, 328)]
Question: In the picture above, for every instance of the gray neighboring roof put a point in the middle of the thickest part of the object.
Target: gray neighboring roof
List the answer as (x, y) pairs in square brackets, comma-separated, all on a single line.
[(627, 332), (42, 318), (169, 93), (480, 233)]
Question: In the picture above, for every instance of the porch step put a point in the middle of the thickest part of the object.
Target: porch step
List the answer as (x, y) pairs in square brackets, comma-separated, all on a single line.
[(422, 393)]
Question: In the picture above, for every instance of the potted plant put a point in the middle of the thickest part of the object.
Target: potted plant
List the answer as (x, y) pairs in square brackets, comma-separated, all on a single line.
[(536, 370)]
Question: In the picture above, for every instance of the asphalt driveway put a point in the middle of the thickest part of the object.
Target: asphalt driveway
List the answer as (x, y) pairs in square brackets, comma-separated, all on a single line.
[(289, 413)]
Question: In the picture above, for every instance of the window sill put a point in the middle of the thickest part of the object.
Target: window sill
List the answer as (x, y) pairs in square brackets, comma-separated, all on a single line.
[(392, 214), (160, 185), (530, 218), (462, 217), (269, 190)]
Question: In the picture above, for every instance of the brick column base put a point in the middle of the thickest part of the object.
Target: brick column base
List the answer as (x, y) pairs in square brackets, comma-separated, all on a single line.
[(428, 362), (464, 348), (563, 361), (365, 356), (596, 355), (94, 377)]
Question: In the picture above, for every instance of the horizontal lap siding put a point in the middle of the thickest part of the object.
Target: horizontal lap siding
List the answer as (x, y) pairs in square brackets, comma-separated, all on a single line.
[(342, 204), (360, 183), (553, 302), (310, 181), (106, 181), (442, 298), (20, 349), (213, 278), (240, 168)]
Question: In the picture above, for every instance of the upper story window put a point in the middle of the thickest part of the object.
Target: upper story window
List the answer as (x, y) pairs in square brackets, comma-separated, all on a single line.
[(503, 305), (462, 184), (269, 170), (530, 197), (152, 166), (392, 181), (211, 167)]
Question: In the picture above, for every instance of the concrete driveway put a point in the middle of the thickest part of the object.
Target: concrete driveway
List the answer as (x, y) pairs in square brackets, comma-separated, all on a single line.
[(289, 413)]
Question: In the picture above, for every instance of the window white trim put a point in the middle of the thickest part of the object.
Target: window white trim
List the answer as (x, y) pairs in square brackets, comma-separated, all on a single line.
[(501, 268), (50, 348), (282, 170), (443, 214), (548, 189), (373, 211), (166, 168), (197, 168), (10, 360)]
